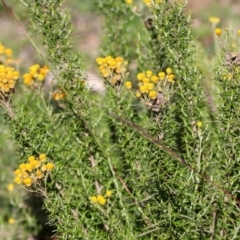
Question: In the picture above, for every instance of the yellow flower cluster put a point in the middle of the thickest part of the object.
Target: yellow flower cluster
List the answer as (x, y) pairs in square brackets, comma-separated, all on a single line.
[(35, 73), (8, 78), (5, 54), (149, 2), (101, 199), (34, 170), (151, 85), (112, 69)]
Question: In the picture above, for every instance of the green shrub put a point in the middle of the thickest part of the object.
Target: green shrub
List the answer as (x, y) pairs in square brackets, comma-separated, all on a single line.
[(156, 156)]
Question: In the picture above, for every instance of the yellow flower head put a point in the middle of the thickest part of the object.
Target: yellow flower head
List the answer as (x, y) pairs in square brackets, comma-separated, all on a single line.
[(152, 95), (101, 200), (29, 167), (10, 187), (199, 124), (128, 85), (35, 164), (8, 52), (18, 180), (100, 61), (31, 158), (148, 73), (138, 94), (18, 172), (218, 32), (93, 199), (50, 166), (145, 80), (161, 75), (168, 71), (42, 157), (27, 79), (39, 174), (119, 60), (154, 79), (140, 76), (109, 193), (27, 181), (11, 220), (214, 19), (44, 167), (143, 89), (22, 167)]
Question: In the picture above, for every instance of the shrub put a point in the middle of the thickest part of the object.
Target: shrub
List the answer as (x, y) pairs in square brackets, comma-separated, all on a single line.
[(156, 156)]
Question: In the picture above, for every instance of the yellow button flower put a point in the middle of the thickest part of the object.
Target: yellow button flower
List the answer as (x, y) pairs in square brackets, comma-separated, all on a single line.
[(31, 158), (22, 167), (42, 157), (27, 181), (11, 220), (143, 89), (138, 94), (154, 79), (148, 73), (18, 180), (119, 59), (29, 167), (93, 199), (25, 175), (128, 85), (40, 77), (109, 193), (50, 166), (100, 61), (18, 172), (150, 86), (101, 200), (168, 70), (199, 124), (218, 32), (145, 80), (10, 187), (39, 174), (27, 79), (140, 76), (152, 94), (214, 19), (44, 167), (35, 163), (8, 52), (161, 75)]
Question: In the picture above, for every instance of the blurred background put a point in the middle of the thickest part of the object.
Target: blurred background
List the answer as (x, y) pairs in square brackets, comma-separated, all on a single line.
[(19, 219)]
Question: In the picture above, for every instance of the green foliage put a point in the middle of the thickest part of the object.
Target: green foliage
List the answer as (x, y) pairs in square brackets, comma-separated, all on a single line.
[(123, 169)]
